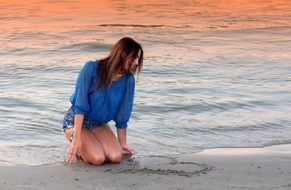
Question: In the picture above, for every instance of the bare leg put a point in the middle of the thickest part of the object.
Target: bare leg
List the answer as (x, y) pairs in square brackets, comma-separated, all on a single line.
[(91, 149), (109, 142)]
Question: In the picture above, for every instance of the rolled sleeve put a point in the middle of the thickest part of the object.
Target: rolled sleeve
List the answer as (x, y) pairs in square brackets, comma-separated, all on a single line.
[(121, 125)]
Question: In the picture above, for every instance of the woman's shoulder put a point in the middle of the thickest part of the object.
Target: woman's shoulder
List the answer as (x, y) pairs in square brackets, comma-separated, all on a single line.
[(130, 78), (91, 63)]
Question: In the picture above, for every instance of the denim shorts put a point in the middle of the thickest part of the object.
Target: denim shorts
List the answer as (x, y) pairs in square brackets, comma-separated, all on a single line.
[(68, 121)]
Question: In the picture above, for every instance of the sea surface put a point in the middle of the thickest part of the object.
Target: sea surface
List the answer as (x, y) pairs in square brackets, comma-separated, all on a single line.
[(217, 73)]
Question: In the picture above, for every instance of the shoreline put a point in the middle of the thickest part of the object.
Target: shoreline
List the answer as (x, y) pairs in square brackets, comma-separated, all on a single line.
[(278, 148), (218, 168)]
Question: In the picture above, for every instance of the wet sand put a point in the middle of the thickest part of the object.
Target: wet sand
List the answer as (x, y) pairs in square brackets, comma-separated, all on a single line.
[(245, 168)]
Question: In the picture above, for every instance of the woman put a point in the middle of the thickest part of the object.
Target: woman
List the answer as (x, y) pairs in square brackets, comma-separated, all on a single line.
[(104, 91)]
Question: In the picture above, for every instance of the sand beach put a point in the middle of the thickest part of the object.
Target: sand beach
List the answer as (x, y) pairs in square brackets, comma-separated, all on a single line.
[(228, 168)]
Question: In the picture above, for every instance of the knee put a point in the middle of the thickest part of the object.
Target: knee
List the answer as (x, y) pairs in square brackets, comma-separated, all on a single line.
[(115, 157), (97, 160)]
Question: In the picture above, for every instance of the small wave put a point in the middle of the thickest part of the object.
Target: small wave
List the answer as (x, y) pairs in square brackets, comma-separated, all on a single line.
[(87, 47), (277, 142), (273, 27), (265, 126), (5, 163), (77, 47), (133, 25), (198, 107)]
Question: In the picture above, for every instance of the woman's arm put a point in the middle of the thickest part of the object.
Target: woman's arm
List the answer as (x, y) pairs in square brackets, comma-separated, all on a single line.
[(121, 136), (76, 142), (123, 115), (123, 143), (81, 104)]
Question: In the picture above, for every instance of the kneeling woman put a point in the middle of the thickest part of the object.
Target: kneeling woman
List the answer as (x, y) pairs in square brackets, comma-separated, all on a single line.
[(104, 91)]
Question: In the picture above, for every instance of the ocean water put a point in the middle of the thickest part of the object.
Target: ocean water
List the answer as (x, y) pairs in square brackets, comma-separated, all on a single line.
[(216, 73)]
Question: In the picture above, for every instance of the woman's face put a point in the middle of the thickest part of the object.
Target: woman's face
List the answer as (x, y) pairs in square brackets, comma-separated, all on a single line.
[(132, 66)]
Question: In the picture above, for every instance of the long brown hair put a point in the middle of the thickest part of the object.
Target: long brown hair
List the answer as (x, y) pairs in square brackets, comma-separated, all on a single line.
[(125, 50)]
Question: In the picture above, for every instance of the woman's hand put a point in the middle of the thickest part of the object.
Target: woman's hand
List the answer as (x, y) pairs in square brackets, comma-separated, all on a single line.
[(126, 149), (74, 149), (123, 143)]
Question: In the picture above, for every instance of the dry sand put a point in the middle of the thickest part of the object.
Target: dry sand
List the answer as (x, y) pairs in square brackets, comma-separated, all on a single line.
[(246, 168)]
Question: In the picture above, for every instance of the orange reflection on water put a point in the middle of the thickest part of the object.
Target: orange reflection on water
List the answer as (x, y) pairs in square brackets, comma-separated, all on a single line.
[(176, 13)]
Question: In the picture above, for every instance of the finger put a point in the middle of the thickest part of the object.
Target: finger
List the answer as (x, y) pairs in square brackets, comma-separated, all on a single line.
[(79, 151), (124, 151), (132, 151), (71, 155), (69, 159)]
